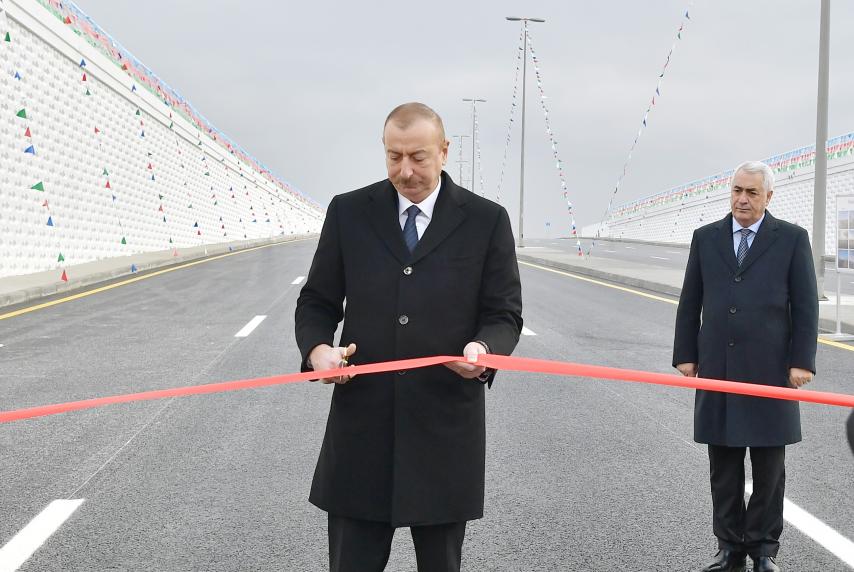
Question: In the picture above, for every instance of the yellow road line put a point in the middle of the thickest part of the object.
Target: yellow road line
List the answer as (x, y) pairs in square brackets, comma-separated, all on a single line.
[(839, 345), (136, 279), (600, 283)]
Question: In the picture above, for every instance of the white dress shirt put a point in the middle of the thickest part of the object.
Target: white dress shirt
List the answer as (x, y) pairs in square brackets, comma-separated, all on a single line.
[(426, 206), (736, 233)]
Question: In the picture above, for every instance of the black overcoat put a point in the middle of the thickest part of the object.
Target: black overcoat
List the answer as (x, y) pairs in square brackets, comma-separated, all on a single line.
[(749, 323), (408, 448)]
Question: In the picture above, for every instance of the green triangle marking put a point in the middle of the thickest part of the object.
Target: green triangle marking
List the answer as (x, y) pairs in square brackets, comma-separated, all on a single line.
[(22, 114), (61, 258), (38, 186)]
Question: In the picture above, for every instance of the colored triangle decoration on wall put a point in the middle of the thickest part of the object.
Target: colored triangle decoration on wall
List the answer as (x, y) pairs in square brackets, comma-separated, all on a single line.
[(38, 186)]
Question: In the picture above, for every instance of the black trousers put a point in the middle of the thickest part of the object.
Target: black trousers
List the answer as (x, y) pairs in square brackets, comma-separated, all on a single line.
[(753, 528), (364, 546)]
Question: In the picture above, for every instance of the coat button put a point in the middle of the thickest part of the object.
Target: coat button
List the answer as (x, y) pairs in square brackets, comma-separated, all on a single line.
[(403, 320), (407, 270), (731, 344), (733, 310), (737, 279)]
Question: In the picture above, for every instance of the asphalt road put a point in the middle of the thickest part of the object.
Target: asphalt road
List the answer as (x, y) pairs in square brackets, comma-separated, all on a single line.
[(582, 475), (672, 256)]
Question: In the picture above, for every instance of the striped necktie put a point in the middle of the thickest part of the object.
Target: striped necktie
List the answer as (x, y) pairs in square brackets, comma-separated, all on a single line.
[(743, 246), (410, 233)]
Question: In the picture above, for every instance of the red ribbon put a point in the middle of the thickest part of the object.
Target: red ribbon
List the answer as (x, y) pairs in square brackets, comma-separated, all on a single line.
[(506, 363)]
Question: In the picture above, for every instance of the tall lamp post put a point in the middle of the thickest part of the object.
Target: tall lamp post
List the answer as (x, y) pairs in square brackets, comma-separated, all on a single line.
[(522, 165), (819, 213), (474, 101)]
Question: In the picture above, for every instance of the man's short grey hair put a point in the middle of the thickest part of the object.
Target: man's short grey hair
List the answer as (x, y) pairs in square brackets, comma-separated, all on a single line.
[(754, 167)]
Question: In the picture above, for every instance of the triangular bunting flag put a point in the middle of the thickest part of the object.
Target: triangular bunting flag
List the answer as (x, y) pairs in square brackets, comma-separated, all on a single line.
[(27, 133), (124, 241), (64, 276), (108, 186), (152, 177), (50, 221), (38, 186), (67, 20), (22, 114), (124, 67), (88, 92), (133, 88), (97, 130), (44, 204), (137, 112), (196, 225), (82, 63), (17, 75), (8, 37), (31, 150), (84, 76), (199, 233), (160, 197), (105, 173), (133, 267), (61, 258)]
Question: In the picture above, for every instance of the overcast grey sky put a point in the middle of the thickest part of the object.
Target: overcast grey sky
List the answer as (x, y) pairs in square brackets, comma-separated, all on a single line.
[(305, 86)]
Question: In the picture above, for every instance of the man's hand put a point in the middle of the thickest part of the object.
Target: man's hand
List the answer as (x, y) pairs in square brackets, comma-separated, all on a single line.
[(687, 369), (799, 377), (325, 357), (468, 369)]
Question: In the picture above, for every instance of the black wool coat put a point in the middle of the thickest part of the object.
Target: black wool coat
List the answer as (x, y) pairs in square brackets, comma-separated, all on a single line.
[(749, 323), (408, 448)]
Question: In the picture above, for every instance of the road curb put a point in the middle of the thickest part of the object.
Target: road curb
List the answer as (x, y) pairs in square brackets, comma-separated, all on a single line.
[(26, 295), (824, 324)]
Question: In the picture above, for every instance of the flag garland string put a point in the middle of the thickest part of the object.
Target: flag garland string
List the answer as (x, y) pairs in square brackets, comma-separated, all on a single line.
[(513, 106), (553, 141), (477, 150), (685, 19)]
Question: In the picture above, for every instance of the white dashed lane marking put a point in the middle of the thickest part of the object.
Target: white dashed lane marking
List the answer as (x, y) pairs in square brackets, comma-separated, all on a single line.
[(822, 534), (247, 329), (298, 280), (527, 332), (31, 537)]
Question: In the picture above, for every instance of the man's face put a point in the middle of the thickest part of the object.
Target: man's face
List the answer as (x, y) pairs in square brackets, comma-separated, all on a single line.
[(414, 157), (749, 198)]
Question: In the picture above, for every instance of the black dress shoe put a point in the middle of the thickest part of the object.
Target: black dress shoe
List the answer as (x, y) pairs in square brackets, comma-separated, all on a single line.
[(765, 564), (727, 561)]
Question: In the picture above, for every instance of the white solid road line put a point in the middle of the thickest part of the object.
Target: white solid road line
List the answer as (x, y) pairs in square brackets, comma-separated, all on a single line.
[(31, 537), (527, 332), (298, 280), (247, 329), (660, 257), (831, 540), (673, 252)]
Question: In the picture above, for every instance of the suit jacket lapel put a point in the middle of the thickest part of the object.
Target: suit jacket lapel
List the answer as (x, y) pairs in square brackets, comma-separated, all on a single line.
[(382, 213), (447, 215), (724, 243), (764, 238)]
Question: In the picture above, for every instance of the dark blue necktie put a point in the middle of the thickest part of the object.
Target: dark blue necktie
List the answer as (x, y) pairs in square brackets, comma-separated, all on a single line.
[(743, 246), (410, 233)]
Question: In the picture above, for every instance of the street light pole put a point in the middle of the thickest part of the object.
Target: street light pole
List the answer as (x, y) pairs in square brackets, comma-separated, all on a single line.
[(474, 101), (524, 21), (819, 209)]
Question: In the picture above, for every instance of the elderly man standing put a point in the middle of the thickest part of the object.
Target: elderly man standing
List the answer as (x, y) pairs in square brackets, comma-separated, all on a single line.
[(748, 312), (426, 268)]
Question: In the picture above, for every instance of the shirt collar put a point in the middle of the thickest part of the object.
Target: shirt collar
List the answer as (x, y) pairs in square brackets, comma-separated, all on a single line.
[(754, 227), (426, 206)]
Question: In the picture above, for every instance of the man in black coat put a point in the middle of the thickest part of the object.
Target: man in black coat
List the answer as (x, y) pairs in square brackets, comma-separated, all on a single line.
[(748, 312), (425, 268)]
